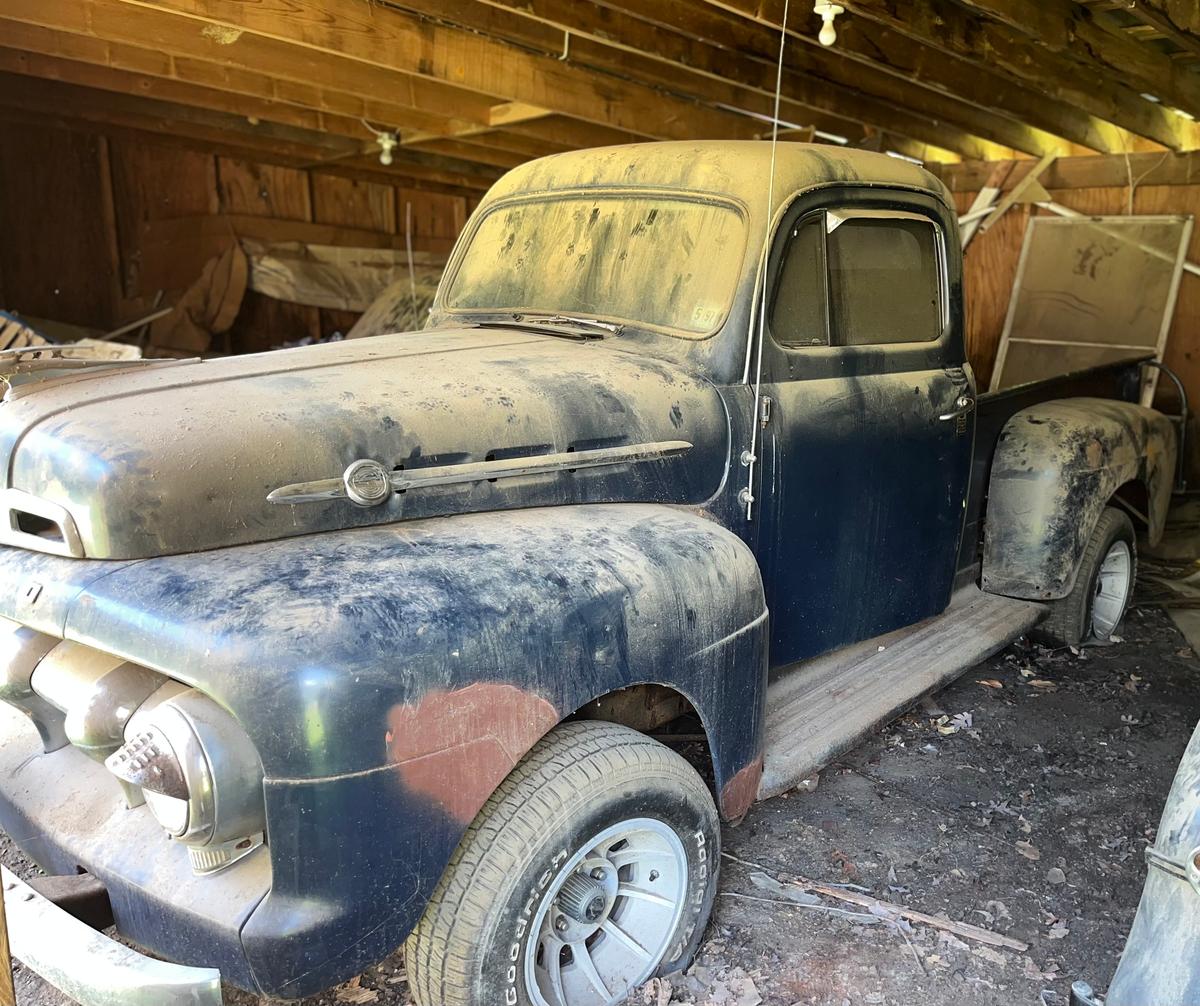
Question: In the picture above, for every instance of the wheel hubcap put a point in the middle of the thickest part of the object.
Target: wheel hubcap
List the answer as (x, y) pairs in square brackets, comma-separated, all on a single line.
[(1112, 589), (606, 920)]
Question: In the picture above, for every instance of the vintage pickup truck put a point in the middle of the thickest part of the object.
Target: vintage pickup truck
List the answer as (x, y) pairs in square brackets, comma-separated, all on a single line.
[(311, 654)]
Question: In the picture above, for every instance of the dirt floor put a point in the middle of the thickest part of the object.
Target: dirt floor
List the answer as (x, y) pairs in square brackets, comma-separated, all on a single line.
[(1024, 811)]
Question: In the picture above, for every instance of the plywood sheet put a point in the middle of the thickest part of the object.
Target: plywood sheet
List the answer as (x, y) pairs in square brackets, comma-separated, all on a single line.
[(1089, 291)]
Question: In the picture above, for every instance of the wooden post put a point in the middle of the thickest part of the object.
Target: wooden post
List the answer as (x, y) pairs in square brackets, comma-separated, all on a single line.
[(8, 994)]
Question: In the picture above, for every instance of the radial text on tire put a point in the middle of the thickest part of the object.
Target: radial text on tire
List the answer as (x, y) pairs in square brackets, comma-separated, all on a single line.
[(592, 869)]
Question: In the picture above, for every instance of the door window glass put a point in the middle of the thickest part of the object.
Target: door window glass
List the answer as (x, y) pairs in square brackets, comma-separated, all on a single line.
[(859, 279), (884, 280)]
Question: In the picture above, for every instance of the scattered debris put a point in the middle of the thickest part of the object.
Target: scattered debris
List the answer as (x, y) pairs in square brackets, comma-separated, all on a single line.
[(884, 909), (1055, 876), (1028, 850), (353, 992), (657, 992)]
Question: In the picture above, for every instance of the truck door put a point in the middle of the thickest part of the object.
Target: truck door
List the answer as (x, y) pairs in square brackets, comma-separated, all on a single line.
[(868, 433)]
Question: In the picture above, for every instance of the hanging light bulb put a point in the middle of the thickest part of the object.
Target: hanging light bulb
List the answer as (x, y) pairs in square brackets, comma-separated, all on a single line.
[(827, 12), (387, 143), (386, 140)]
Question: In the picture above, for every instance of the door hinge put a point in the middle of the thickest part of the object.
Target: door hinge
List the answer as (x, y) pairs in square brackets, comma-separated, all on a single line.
[(764, 411)]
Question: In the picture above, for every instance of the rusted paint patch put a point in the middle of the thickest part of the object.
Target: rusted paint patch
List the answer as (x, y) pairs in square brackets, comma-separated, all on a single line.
[(741, 791), (456, 747)]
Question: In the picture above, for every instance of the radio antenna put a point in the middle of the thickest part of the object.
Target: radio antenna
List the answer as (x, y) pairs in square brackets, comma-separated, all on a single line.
[(750, 457)]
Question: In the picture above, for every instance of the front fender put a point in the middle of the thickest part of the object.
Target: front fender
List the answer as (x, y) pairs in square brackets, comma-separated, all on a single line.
[(392, 676), (1056, 467)]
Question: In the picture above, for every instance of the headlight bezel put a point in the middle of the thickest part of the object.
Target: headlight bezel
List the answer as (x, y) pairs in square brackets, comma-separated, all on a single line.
[(185, 736)]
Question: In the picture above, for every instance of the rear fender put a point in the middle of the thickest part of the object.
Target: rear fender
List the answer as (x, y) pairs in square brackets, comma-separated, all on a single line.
[(1056, 467)]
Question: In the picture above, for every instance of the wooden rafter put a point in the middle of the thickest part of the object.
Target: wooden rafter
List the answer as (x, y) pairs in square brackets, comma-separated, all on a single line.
[(112, 34), (388, 39), (286, 144), (702, 35), (1041, 55), (1073, 31), (620, 41), (982, 91)]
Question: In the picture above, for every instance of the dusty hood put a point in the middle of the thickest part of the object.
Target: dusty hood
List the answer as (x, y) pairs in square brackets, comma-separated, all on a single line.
[(181, 458)]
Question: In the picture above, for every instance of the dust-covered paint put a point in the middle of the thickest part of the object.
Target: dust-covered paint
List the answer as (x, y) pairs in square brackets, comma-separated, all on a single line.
[(1057, 466)]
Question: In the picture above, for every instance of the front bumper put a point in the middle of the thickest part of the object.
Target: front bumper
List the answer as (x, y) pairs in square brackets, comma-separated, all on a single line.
[(89, 967), (66, 812)]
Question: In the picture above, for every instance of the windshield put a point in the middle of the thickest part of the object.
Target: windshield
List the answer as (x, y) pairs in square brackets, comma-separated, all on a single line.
[(652, 261)]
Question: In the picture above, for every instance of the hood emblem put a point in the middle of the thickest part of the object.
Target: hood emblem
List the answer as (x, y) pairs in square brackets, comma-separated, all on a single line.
[(368, 483)]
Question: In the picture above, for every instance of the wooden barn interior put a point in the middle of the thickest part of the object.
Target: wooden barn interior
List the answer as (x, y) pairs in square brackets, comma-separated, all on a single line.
[(389, 640), (166, 128)]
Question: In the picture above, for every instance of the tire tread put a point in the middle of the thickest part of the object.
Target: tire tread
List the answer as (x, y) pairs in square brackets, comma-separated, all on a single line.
[(441, 951)]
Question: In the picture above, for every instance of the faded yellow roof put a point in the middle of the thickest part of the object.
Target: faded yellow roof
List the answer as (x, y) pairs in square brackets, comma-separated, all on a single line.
[(737, 168)]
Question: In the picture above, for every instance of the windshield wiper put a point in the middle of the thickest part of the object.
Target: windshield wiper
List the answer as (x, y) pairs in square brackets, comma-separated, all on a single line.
[(561, 326), (564, 319)]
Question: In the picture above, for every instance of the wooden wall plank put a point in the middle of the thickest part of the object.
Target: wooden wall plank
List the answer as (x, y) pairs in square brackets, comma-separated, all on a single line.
[(264, 190), (270, 191), (55, 253), (346, 202), (156, 182)]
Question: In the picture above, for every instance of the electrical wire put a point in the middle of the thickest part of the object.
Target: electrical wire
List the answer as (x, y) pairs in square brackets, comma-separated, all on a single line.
[(752, 455)]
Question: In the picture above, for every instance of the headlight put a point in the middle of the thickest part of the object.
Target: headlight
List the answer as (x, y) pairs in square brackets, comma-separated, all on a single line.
[(200, 775)]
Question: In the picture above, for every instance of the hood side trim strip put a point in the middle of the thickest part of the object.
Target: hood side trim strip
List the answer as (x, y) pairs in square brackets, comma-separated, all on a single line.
[(479, 471)]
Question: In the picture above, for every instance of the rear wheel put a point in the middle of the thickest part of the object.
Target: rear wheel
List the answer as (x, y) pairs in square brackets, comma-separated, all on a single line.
[(1096, 605), (592, 869)]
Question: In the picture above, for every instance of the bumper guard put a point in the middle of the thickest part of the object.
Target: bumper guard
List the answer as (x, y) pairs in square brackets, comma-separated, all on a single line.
[(88, 966)]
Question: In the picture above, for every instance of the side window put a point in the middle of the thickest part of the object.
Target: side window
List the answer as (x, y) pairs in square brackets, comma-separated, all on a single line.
[(859, 278), (884, 280), (798, 308)]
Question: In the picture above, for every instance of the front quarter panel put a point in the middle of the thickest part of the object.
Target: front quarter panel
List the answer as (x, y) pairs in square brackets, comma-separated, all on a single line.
[(391, 677)]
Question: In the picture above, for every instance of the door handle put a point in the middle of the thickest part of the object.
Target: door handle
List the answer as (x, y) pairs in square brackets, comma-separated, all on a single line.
[(962, 405)]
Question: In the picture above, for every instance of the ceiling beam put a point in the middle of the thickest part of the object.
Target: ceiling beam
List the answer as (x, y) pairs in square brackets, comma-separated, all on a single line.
[(385, 38), (251, 109), (277, 143), (727, 47), (1152, 16), (863, 43), (952, 31), (1071, 30), (109, 33)]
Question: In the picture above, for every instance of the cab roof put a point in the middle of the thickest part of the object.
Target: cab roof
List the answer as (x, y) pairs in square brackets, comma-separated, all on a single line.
[(735, 168)]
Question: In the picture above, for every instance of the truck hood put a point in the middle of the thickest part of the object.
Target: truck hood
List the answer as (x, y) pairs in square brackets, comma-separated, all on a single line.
[(181, 457)]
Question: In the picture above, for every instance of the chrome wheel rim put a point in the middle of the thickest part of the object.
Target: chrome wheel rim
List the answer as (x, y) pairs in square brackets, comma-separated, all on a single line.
[(1112, 589), (607, 918)]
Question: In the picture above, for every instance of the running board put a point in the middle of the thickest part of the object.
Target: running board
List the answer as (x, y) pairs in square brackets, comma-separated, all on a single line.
[(820, 708)]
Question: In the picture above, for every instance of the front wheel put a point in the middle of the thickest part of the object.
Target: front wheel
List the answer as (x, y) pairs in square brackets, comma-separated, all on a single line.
[(1096, 605), (589, 871)]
